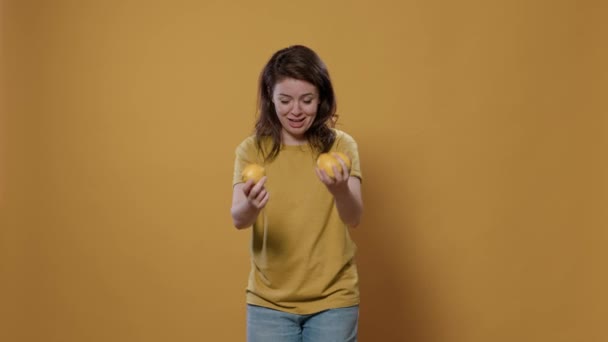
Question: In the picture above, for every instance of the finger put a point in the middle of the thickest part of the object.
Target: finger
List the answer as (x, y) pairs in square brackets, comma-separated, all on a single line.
[(264, 200), (338, 176), (260, 185), (255, 191), (248, 186), (324, 176), (261, 195), (320, 175), (252, 195), (327, 179), (344, 169)]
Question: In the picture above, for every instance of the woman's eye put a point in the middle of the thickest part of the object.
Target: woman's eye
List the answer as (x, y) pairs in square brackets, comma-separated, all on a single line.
[(284, 101), (307, 101)]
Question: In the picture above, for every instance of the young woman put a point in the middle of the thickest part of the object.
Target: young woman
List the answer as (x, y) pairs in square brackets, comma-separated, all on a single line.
[(303, 284)]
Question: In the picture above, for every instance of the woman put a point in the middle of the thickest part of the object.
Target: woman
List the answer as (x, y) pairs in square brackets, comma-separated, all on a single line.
[(303, 284)]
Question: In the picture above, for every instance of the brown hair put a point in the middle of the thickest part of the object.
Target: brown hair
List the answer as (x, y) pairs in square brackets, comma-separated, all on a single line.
[(301, 63)]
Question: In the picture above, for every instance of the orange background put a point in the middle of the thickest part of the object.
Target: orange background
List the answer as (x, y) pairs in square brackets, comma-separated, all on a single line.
[(482, 130)]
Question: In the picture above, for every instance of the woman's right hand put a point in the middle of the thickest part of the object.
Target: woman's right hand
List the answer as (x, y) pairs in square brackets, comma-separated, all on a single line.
[(256, 193), (248, 199)]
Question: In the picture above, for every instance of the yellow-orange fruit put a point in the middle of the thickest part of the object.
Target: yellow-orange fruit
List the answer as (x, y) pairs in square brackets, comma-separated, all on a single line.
[(344, 158), (327, 161), (253, 171)]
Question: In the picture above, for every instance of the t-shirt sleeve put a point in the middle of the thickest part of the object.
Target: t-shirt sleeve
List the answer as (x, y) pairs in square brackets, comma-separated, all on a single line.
[(347, 145), (245, 155)]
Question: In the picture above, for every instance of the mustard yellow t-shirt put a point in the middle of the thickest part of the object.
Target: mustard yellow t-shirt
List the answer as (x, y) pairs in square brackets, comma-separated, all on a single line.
[(302, 255)]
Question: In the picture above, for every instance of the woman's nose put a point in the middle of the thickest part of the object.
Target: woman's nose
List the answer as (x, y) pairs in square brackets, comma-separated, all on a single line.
[(296, 109)]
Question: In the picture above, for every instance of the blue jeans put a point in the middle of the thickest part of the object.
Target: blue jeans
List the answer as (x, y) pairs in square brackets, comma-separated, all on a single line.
[(334, 325)]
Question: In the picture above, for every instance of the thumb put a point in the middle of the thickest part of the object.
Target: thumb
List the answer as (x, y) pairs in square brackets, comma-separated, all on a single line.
[(248, 186)]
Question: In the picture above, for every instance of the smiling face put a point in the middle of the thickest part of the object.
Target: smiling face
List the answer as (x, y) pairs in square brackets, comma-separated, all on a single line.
[(296, 103)]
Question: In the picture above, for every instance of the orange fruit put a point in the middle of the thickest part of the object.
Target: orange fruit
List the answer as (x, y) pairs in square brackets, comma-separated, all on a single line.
[(253, 171), (327, 161), (344, 158)]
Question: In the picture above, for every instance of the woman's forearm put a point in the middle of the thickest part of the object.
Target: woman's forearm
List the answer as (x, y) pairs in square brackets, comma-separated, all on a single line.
[(244, 214), (247, 202), (350, 204)]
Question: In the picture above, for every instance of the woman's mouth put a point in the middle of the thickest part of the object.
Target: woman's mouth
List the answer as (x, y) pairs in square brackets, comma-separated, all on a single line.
[(296, 122)]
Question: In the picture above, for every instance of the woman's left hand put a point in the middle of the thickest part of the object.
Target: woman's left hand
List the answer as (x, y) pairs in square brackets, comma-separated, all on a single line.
[(339, 183)]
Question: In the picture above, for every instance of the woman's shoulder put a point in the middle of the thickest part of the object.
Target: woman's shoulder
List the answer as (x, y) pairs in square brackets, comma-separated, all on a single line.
[(246, 144), (343, 138), (248, 141), (250, 147)]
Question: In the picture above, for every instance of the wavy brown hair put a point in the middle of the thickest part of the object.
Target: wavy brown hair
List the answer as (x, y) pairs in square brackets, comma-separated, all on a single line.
[(301, 63)]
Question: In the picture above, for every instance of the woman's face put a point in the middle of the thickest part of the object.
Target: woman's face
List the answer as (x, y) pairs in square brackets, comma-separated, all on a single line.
[(296, 103)]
